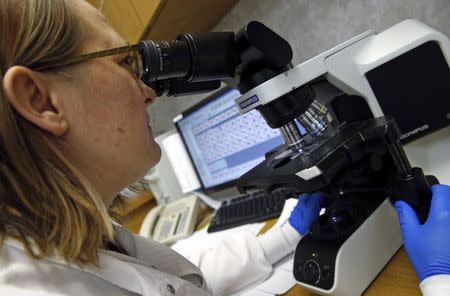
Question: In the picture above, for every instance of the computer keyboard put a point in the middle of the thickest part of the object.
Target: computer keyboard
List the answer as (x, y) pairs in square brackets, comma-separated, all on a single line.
[(249, 208)]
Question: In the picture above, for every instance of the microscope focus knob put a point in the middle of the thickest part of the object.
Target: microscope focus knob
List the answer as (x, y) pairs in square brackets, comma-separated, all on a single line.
[(312, 272)]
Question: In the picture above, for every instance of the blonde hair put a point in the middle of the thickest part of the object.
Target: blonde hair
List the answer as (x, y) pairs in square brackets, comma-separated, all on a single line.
[(45, 202)]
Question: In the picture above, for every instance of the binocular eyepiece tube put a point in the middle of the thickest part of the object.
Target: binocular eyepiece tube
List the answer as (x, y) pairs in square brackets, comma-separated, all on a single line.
[(188, 64)]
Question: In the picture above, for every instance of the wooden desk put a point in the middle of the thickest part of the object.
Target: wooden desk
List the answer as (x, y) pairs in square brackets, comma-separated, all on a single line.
[(397, 278)]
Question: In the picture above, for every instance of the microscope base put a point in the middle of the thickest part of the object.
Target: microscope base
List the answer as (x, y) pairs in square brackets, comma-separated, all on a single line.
[(359, 258)]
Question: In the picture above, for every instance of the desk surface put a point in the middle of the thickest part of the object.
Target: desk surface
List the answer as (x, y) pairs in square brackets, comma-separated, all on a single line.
[(397, 278)]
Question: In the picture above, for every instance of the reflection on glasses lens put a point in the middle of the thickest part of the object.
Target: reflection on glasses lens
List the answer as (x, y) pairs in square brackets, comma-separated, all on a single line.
[(136, 65)]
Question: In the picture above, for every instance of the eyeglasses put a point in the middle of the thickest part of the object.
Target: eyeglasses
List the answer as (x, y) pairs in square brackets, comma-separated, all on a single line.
[(134, 59)]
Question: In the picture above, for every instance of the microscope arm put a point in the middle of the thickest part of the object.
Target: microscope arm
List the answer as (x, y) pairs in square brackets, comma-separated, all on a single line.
[(412, 185)]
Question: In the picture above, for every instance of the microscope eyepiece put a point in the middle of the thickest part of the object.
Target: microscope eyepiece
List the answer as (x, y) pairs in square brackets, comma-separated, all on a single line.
[(198, 62), (191, 58), (164, 60)]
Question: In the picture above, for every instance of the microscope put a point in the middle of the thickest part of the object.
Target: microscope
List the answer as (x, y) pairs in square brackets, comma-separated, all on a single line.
[(358, 102)]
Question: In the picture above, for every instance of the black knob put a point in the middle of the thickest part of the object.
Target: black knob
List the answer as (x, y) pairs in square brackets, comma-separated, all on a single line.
[(311, 271)]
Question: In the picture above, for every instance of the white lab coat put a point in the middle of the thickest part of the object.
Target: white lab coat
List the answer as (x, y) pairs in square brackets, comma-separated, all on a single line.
[(151, 269), (437, 285), (154, 269)]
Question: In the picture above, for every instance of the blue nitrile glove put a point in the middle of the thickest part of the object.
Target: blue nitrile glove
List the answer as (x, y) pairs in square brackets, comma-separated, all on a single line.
[(428, 245), (306, 211)]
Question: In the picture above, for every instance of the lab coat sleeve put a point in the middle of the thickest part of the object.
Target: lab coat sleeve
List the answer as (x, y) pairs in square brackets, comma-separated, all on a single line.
[(243, 259), (278, 242), (437, 285)]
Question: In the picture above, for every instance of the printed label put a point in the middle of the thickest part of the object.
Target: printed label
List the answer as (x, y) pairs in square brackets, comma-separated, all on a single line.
[(414, 131), (250, 101)]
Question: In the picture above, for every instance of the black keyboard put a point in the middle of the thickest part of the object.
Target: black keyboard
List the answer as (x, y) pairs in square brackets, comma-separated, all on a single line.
[(249, 208)]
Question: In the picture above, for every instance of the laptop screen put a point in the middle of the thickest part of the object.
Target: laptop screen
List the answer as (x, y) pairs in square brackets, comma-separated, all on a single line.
[(222, 143)]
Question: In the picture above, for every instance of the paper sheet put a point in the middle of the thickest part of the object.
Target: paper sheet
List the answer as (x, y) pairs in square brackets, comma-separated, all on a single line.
[(281, 280), (255, 293)]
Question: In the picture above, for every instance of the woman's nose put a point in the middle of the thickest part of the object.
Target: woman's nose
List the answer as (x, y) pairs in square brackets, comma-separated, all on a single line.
[(150, 94)]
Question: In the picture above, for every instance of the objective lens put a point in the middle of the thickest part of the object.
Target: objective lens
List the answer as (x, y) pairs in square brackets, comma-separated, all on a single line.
[(313, 119), (292, 136)]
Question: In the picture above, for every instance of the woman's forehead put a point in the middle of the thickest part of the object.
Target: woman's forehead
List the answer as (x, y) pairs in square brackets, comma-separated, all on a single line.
[(98, 33)]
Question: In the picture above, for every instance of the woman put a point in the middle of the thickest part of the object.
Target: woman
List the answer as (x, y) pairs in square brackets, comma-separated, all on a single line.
[(71, 138)]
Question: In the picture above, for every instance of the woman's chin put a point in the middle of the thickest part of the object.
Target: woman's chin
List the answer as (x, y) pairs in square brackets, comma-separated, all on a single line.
[(154, 155)]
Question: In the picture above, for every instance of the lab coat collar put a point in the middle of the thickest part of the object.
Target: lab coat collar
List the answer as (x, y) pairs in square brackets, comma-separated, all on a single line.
[(148, 256), (156, 255), (109, 263)]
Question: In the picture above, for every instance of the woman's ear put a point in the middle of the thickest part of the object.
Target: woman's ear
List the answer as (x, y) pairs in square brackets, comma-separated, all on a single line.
[(28, 92)]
